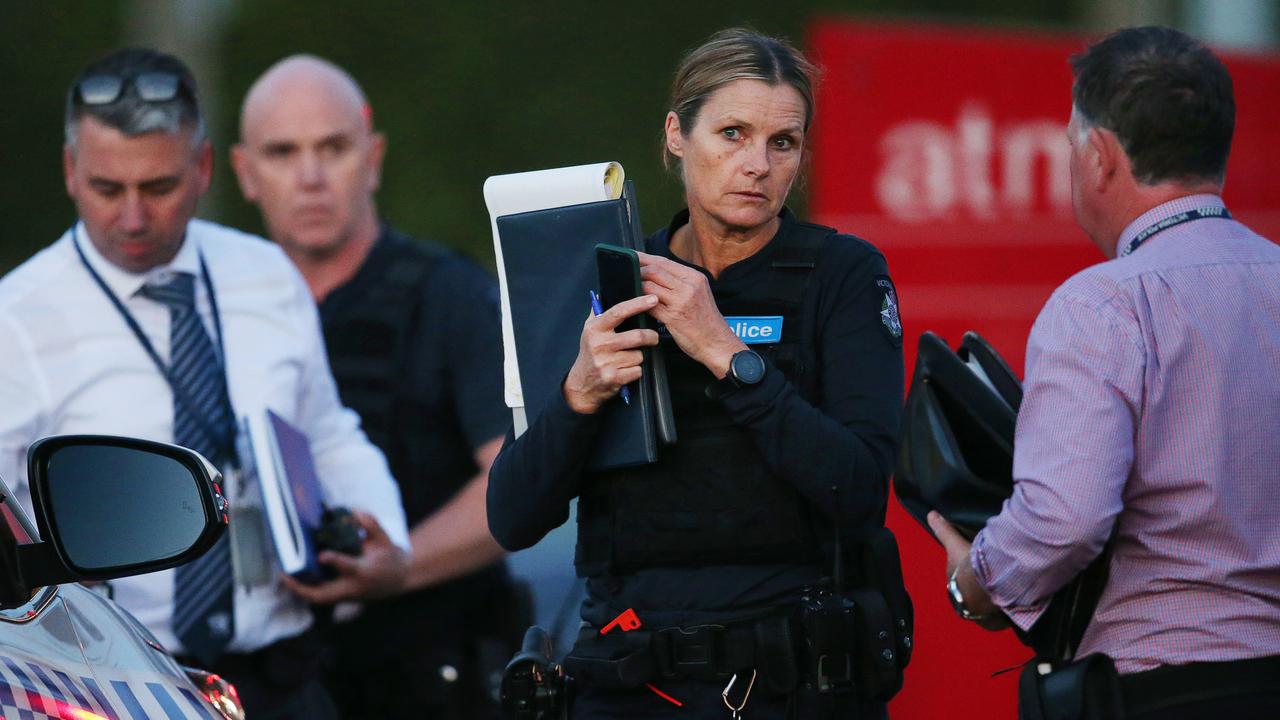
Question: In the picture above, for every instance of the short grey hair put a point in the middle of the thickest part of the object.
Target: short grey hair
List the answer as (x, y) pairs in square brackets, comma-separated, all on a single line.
[(129, 113), (1083, 124)]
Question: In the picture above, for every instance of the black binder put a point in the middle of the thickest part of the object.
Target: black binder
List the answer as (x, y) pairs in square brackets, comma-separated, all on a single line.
[(550, 265)]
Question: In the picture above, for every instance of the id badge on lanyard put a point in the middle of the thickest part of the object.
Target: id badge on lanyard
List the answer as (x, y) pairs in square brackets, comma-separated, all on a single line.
[(252, 555)]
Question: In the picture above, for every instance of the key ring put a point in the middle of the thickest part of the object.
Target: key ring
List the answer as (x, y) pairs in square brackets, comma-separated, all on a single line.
[(736, 712)]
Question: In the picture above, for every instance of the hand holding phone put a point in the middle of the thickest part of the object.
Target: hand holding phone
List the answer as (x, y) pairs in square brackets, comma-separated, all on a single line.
[(618, 269), (614, 342)]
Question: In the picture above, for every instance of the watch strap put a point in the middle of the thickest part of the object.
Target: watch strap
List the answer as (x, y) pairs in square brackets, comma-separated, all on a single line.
[(718, 389), (957, 599)]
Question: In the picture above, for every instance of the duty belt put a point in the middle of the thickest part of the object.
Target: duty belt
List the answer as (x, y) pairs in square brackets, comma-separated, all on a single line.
[(704, 653), (717, 652)]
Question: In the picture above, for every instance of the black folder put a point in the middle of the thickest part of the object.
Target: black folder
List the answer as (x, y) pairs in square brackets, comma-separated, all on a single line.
[(550, 265)]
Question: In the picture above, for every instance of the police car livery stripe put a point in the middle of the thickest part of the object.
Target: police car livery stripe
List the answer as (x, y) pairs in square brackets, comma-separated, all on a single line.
[(67, 682), (125, 693), (96, 692), (140, 706), (31, 690), (6, 695), (201, 707), (24, 697), (35, 700), (157, 702), (162, 696), (54, 688)]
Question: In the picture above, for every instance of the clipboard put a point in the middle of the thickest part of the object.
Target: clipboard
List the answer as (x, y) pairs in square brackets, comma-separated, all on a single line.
[(549, 263)]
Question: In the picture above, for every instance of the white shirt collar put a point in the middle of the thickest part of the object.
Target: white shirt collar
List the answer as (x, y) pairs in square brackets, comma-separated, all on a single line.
[(126, 284)]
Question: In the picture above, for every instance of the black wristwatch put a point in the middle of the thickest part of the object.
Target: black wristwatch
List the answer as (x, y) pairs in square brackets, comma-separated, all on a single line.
[(746, 368)]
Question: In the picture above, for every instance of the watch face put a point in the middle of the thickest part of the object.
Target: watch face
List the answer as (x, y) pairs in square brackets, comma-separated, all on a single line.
[(748, 367)]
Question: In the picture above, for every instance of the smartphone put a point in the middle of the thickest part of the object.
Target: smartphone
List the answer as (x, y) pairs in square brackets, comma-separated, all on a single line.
[(618, 269)]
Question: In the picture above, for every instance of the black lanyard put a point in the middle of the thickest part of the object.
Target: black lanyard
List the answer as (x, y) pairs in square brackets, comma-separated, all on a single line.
[(219, 439), (1173, 221)]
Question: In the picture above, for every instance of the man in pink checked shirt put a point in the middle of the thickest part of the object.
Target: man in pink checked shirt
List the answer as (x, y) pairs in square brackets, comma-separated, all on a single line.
[(1152, 403)]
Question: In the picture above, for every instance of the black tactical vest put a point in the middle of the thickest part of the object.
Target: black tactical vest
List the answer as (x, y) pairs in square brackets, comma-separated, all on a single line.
[(369, 343), (710, 498), (370, 337)]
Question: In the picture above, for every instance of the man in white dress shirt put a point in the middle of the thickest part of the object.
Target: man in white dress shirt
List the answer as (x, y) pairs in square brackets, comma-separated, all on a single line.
[(142, 321)]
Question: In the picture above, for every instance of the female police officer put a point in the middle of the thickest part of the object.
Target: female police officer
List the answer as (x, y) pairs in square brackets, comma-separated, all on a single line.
[(785, 364)]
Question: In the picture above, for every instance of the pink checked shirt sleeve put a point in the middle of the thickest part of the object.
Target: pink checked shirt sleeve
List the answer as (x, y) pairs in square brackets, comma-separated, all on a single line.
[(1075, 449)]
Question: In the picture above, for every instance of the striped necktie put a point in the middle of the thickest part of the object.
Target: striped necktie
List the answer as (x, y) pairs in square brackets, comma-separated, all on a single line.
[(203, 421)]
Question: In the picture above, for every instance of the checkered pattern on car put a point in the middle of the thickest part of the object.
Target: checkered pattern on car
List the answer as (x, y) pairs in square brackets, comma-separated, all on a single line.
[(32, 691)]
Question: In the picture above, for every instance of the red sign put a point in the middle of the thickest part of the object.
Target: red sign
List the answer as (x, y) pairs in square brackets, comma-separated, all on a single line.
[(946, 147)]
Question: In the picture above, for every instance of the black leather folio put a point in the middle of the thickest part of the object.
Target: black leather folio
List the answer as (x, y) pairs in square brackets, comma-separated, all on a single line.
[(550, 263)]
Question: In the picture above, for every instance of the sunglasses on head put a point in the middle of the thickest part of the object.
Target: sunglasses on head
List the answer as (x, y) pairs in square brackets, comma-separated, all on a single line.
[(106, 89)]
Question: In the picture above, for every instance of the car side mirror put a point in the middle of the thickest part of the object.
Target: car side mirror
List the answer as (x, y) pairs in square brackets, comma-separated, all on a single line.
[(109, 507)]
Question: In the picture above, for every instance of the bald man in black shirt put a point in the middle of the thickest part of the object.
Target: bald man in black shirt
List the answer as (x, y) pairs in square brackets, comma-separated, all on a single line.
[(412, 332)]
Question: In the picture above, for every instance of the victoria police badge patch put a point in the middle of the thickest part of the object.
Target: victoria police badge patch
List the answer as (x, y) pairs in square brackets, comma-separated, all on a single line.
[(890, 320)]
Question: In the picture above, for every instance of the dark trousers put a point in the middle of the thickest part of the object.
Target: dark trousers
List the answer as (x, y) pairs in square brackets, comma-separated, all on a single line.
[(1263, 706), (702, 700), (423, 681), (438, 653), (309, 702), (1230, 690), (278, 682)]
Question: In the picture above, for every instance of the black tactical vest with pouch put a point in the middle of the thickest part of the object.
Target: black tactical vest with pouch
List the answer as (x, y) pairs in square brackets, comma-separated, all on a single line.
[(710, 498)]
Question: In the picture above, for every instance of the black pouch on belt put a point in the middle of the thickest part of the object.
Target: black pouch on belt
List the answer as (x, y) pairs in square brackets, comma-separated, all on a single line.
[(1087, 689), (884, 621), (875, 648), (616, 661), (776, 656)]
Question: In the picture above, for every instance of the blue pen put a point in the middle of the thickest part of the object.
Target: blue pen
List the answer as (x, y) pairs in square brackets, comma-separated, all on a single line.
[(598, 311)]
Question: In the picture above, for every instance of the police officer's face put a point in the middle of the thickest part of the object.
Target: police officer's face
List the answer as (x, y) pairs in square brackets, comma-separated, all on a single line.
[(743, 152), (135, 194), (310, 162)]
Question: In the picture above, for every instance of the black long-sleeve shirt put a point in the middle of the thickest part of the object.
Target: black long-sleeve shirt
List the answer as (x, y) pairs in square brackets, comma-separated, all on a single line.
[(848, 439)]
